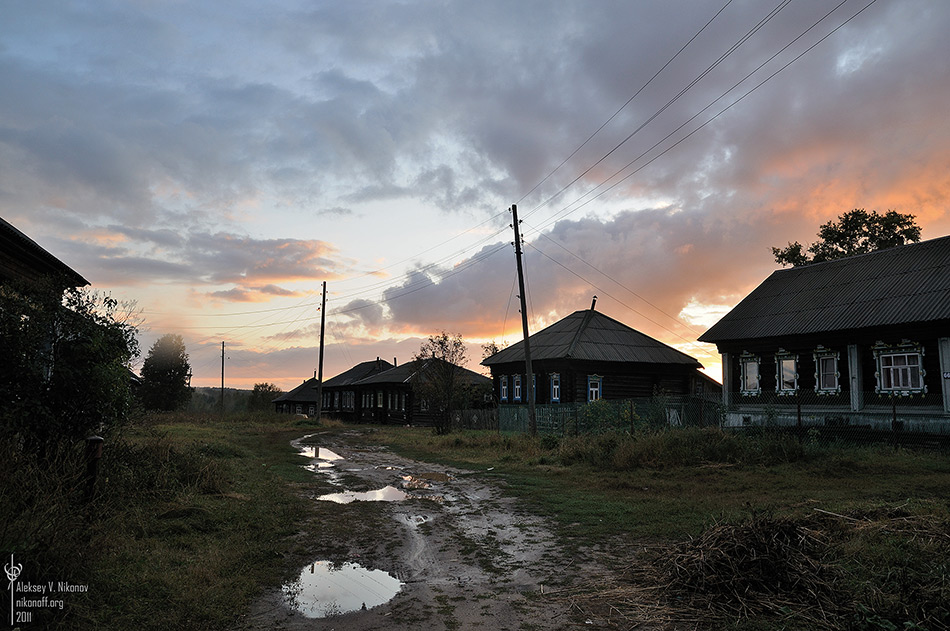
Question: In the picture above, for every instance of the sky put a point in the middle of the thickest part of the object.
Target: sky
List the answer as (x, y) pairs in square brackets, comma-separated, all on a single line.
[(213, 163)]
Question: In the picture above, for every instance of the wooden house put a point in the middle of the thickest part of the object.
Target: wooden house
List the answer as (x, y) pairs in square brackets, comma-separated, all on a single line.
[(393, 396), (589, 356), (860, 340), (300, 400), (23, 260), (343, 398)]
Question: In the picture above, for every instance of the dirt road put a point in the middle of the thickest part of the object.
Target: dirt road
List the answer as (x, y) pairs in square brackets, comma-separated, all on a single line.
[(447, 545)]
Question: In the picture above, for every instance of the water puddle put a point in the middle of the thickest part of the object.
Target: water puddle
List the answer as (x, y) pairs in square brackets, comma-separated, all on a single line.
[(327, 589), (385, 494), (320, 453)]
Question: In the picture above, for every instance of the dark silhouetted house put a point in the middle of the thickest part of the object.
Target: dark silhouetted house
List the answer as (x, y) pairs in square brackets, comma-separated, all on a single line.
[(300, 400), (846, 340), (342, 398), (393, 396), (589, 356), (22, 260)]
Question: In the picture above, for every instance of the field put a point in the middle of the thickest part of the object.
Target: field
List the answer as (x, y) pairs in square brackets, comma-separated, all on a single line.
[(195, 517)]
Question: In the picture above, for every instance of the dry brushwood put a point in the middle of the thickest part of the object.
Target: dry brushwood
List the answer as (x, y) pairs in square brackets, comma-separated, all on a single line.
[(767, 565)]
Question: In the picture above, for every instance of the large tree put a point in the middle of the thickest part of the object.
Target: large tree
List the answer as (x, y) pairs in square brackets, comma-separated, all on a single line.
[(438, 379), (166, 375), (65, 363), (855, 232), (262, 396)]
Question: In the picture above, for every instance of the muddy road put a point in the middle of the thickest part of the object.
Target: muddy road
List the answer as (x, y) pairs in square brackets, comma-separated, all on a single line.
[(401, 544)]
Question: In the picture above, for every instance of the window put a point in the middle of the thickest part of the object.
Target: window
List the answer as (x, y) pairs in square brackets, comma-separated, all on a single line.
[(503, 380), (786, 373), (749, 374), (900, 368), (555, 388), (594, 388), (379, 399), (826, 371), (517, 387)]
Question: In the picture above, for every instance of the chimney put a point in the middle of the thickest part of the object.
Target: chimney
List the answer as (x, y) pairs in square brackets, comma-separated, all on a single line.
[(394, 362), (377, 362), (593, 302)]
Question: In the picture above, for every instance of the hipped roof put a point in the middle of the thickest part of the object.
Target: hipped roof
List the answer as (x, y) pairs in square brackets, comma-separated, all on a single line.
[(591, 335), (409, 371), (903, 285), (358, 372)]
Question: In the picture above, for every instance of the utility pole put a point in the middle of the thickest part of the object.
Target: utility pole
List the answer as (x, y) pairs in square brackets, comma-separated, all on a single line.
[(222, 378), (323, 319), (529, 376)]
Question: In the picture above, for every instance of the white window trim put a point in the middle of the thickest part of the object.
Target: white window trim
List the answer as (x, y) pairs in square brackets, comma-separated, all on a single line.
[(555, 387), (906, 348), (516, 388), (745, 359), (824, 353), (780, 357), (503, 387), (591, 380)]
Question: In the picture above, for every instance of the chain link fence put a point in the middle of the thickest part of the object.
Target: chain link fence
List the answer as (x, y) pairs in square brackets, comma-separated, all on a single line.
[(913, 420)]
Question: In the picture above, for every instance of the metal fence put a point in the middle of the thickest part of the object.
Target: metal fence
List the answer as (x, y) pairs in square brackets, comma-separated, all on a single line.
[(918, 419), (861, 416), (606, 416)]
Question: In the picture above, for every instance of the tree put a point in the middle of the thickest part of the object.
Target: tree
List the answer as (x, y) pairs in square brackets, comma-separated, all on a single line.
[(166, 375), (262, 396), (855, 232), (438, 379), (65, 363)]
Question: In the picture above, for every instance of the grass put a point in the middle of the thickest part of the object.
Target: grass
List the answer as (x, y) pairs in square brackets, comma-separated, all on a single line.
[(194, 516), (659, 489)]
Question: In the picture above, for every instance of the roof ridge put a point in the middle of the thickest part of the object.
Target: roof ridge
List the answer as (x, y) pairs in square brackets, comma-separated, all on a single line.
[(588, 316)]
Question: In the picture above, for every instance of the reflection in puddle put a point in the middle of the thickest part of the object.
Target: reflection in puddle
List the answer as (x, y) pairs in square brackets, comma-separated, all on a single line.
[(385, 494), (321, 453), (326, 589), (424, 480)]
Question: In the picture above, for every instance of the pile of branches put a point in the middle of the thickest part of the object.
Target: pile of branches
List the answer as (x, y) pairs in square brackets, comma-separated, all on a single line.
[(764, 566)]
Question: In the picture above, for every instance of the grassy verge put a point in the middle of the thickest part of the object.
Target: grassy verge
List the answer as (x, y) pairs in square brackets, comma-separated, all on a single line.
[(881, 516), (192, 516)]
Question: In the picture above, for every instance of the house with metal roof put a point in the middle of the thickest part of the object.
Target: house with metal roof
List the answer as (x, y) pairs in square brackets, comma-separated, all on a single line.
[(397, 395), (339, 394), (589, 356), (342, 398), (860, 340), (23, 260)]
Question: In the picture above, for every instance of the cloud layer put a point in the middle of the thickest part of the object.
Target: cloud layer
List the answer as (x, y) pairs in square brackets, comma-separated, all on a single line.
[(196, 156)]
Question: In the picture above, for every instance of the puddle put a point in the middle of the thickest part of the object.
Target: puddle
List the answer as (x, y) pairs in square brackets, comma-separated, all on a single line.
[(385, 494), (326, 589), (424, 480), (320, 453)]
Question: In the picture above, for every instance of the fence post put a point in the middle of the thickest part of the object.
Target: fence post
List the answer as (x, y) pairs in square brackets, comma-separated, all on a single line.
[(895, 424), (798, 402), (93, 454)]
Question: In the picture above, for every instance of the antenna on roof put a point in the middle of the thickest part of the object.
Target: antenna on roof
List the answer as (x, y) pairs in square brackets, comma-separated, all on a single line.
[(593, 302)]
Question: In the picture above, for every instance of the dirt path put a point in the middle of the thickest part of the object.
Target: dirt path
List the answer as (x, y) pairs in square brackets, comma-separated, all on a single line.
[(467, 556)]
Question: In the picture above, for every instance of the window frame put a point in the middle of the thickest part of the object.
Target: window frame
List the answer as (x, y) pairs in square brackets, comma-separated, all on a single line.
[(782, 376), (593, 380), (503, 388), (555, 387), (516, 388), (745, 360), (906, 349), (821, 355)]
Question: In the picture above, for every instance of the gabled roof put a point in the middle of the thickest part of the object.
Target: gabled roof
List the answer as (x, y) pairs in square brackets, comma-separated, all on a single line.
[(303, 393), (21, 258), (408, 371), (358, 372), (590, 335), (902, 285)]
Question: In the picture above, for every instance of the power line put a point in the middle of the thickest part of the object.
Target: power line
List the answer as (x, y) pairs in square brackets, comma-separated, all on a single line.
[(628, 101)]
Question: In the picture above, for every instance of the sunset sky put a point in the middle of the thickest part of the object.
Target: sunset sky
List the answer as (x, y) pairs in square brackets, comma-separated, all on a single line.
[(216, 161)]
